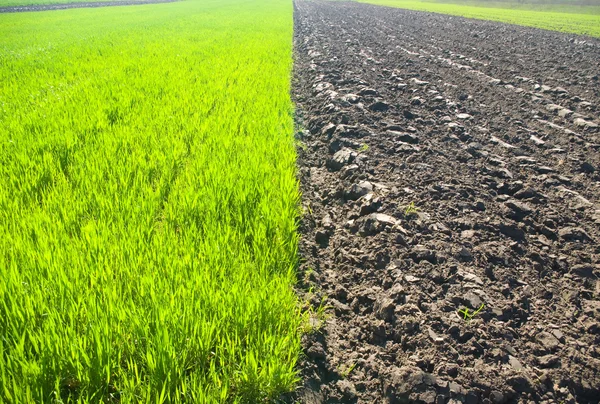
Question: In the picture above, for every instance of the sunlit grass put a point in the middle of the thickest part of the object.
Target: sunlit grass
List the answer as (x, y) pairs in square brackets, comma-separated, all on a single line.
[(147, 204)]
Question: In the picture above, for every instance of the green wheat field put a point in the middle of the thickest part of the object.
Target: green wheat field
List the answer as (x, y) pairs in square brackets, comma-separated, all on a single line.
[(148, 204)]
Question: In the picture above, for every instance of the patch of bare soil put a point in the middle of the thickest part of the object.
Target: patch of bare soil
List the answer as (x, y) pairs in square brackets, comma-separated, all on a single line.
[(87, 4), (447, 165)]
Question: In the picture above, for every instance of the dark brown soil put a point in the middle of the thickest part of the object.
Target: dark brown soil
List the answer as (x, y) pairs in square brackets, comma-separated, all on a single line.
[(88, 4), (446, 164)]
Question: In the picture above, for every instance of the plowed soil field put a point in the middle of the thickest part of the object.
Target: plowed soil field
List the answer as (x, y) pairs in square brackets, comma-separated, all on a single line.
[(450, 171)]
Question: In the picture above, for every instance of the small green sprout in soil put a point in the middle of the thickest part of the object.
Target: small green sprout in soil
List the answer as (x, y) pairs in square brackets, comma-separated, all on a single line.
[(467, 315), (347, 370), (315, 317), (308, 210), (411, 209), (301, 145)]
